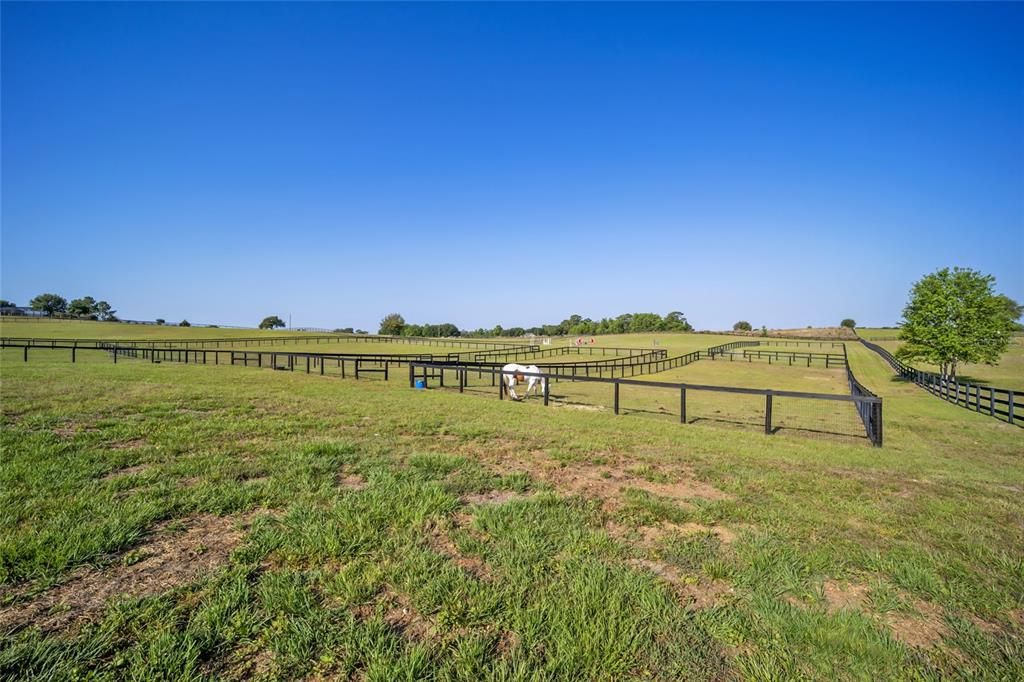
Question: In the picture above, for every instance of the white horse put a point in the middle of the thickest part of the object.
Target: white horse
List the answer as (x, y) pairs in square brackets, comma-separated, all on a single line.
[(513, 373)]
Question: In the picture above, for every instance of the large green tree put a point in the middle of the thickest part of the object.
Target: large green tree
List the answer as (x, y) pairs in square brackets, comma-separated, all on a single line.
[(105, 312), (392, 325), (271, 322), (83, 307), (955, 317), (51, 304)]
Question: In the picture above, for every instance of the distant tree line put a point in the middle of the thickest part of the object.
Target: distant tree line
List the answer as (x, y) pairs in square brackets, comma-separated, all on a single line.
[(86, 308), (395, 325)]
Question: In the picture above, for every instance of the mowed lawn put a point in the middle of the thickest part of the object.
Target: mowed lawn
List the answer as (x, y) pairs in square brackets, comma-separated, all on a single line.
[(211, 522)]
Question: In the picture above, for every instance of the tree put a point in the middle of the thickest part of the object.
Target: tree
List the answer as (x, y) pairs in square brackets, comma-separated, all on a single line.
[(392, 325), (675, 321), (4, 303), (161, 320), (271, 322), (50, 304), (105, 312), (83, 307), (1013, 309), (742, 326), (184, 323), (848, 323), (954, 317)]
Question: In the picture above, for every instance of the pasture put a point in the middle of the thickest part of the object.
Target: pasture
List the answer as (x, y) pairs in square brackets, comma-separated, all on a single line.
[(1008, 373), (215, 522)]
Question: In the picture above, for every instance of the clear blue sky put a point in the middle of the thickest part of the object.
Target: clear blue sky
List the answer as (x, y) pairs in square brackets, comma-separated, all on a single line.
[(509, 163)]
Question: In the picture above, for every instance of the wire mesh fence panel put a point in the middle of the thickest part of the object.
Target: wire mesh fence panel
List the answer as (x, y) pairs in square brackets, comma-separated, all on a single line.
[(730, 410), (817, 418)]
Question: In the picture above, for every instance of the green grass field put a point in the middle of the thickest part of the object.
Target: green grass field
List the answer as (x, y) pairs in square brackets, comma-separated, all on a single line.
[(1008, 373), (200, 522)]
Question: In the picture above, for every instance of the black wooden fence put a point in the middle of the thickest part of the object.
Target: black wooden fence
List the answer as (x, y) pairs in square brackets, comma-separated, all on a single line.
[(1000, 403), (864, 404)]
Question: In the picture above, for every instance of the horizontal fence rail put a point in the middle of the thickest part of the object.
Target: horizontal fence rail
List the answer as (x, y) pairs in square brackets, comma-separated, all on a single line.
[(999, 403), (426, 371)]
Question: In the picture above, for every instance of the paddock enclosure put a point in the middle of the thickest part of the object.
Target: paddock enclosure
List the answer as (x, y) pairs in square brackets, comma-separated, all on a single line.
[(789, 387)]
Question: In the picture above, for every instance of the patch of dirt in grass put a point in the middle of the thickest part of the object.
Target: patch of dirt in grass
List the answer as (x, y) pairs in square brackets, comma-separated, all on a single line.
[(242, 664), (609, 482), (351, 481), (652, 535), (71, 430), (166, 559), (440, 541), (844, 596), (399, 614), (508, 641), (700, 594), (988, 627), (924, 629), (578, 406), (130, 444), (189, 481), (127, 471), (491, 497)]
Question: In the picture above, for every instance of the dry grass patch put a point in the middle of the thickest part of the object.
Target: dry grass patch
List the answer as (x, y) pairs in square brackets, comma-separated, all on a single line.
[(695, 592), (925, 628), (844, 596), (351, 481), (649, 536), (130, 444), (167, 559), (127, 471), (609, 482), (398, 613), (440, 541), (491, 497)]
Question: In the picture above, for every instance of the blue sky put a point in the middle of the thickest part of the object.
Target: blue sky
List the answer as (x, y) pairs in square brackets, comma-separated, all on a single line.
[(787, 164)]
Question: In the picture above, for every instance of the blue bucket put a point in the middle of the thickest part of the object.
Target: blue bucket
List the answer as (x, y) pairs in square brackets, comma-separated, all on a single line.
[(420, 384)]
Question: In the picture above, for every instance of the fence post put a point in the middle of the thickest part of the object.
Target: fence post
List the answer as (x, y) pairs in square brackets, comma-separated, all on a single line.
[(878, 424), (682, 405), (307, 364), (461, 375), (501, 385), (73, 349), (412, 375), (1009, 406), (547, 390), (768, 414), (991, 402), (386, 363), (26, 353), (616, 397)]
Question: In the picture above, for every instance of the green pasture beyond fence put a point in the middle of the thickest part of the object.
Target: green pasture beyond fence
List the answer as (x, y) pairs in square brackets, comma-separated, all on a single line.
[(612, 370)]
